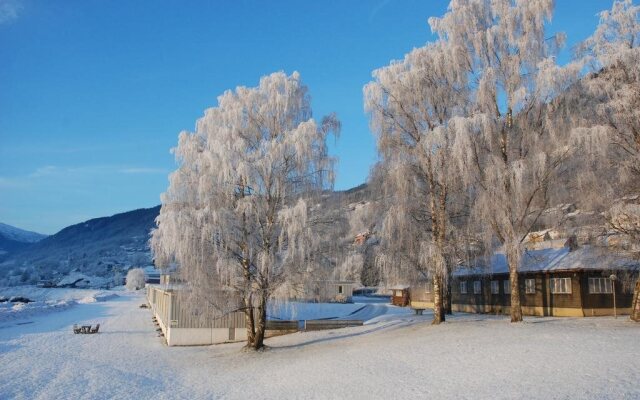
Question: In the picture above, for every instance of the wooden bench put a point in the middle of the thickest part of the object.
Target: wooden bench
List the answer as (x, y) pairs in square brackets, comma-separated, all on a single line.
[(85, 329)]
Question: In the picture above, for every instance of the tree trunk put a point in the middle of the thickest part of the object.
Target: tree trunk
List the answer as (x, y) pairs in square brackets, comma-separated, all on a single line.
[(447, 297), (438, 310), (635, 304), (249, 320), (261, 323), (513, 261), (516, 308)]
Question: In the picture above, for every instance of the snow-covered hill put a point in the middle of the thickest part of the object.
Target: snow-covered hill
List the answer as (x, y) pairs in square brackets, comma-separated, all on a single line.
[(107, 247), (100, 247), (19, 235), (13, 239)]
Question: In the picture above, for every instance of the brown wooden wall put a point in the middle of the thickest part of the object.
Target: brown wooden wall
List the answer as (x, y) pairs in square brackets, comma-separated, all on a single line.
[(579, 298)]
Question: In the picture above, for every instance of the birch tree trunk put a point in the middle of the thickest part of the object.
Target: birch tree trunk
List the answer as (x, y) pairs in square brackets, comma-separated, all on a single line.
[(261, 323), (513, 260), (438, 311), (249, 321), (447, 296), (635, 305)]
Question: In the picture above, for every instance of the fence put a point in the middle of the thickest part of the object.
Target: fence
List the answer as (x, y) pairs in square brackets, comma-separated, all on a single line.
[(182, 327), (320, 324)]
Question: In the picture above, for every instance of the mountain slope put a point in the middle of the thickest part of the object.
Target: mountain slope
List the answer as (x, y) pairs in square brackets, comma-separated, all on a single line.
[(19, 235), (14, 239), (99, 247), (107, 247)]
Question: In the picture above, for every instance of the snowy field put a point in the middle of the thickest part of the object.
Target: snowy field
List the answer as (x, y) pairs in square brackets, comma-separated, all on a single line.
[(45, 300), (394, 355)]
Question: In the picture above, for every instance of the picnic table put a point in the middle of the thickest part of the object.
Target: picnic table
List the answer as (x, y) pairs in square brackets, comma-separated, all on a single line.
[(85, 329)]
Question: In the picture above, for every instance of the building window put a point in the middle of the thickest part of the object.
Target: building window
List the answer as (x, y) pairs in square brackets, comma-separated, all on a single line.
[(529, 286), (463, 287), (340, 289), (599, 285), (560, 285), (477, 287), (507, 287), (495, 287), (427, 287)]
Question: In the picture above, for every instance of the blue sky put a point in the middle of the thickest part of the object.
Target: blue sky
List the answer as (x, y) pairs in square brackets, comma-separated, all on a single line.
[(94, 93)]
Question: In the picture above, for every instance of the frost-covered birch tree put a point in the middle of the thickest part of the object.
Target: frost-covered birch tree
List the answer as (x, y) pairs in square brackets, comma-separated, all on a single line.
[(613, 133), (515, 147), (235, 216), (412, 104)]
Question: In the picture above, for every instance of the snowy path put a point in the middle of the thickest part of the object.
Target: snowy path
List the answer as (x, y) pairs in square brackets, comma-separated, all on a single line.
[(470, 357)]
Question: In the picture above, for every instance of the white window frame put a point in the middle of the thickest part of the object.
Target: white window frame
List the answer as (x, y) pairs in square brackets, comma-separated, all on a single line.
[(507, 286), (427, 287), (560, 285), (600, 286), (495, 287), (463, 287), (477, 287), (530, 286)]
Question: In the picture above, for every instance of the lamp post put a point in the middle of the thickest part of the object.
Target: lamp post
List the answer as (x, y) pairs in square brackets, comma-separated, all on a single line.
[(613, 285)]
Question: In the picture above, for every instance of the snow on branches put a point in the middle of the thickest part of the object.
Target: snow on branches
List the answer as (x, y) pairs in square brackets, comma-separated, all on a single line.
[(234, 217)]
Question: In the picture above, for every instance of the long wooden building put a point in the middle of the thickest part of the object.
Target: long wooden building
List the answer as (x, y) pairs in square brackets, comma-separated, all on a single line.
[(563, 281)]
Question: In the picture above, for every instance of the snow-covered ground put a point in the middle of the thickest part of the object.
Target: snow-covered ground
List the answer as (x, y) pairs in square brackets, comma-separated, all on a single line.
[(45, 300), (395, 355), (362, 308)]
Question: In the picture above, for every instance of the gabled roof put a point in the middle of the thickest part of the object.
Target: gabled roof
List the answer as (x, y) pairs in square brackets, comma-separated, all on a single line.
[(554, 260)]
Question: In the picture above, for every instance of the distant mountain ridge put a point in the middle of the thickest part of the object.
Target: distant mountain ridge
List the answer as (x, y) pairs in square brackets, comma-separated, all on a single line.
[(98, 247), (20, 235), (14, 239), (107, 247)]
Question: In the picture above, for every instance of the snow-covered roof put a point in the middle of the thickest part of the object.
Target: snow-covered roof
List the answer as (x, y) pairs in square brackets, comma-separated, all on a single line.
[(399, 287), (336, 282), (548, 260)]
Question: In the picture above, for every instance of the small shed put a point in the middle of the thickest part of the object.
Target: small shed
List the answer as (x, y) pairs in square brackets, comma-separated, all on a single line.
[(333, 291), (400, 295)]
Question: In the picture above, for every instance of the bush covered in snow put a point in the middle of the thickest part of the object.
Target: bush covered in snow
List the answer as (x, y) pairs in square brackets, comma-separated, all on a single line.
[(135, 279)]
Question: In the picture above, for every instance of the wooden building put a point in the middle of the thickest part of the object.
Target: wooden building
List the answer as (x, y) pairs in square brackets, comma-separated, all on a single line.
[(553, 282), (330, 291), (400, 295), (318, 291)]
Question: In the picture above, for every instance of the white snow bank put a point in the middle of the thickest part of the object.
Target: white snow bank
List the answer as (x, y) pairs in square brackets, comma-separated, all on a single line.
[(81, 280), (46, 300)]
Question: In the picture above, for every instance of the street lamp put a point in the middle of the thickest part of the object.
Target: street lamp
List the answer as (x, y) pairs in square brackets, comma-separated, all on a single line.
[(613, 284)]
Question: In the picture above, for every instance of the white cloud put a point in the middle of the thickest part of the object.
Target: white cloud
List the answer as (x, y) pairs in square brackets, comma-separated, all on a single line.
[(44, 171)]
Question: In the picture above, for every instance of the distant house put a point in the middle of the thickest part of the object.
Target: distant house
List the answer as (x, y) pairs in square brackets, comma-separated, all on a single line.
[(319, 291), (548, 238), (400, 295), (361, 238), (567, 281), (151, 275)]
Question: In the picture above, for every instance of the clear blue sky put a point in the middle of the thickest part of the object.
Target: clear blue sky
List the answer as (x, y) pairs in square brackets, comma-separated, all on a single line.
[(94, 93)]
